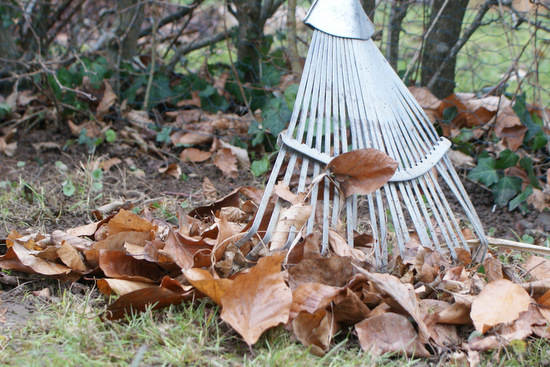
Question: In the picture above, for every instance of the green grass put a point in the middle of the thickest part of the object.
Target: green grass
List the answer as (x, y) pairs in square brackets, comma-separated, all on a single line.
[(67, 331)]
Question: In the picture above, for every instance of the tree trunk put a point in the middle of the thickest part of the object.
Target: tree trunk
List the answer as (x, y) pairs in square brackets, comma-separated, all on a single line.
[(397, 14), (369, 6), (131, 15), (438, 43), (251, 34)]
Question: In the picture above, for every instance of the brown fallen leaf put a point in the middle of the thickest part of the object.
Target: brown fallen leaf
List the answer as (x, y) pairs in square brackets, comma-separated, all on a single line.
[(401, 294), (207, 284), (334, 271), (117, 264), (538, 267), (120, 287), (290, 220), (139, 300), (348, 308), (340, 246), (390, 333), (71, 257), (509, 126), (499, 302), (194, 155), (258, 300), (21, 259), (315, 330), (226, 161), (312, 297), (127, 221), (173, 170), (362, 171)]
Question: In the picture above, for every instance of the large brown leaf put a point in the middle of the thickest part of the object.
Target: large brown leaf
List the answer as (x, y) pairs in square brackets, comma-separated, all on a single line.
[(207, 284), (120, 286), (19, 258), (117, 264), (362, 171), (258, 300), (312, 297), (390, 333), (499, 302), (139, 300), (315, 330), (126, 221), (334, 271), (187, 252), (402, 295)]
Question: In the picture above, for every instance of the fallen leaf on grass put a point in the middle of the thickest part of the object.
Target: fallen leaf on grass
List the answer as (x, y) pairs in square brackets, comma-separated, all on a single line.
[(207, 284), (120, 286), (71, 257), (390, 333), (315, 330), (187, 252), (499, 302), (362, 171), (312, 297), (20, 258), (258, 300), (348, 308), (138, 301)]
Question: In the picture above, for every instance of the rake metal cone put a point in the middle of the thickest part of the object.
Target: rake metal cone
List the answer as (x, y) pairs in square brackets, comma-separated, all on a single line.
[(350, 98)]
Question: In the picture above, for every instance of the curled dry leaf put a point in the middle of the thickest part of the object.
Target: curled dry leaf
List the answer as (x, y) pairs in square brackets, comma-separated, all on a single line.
[(226, 161), (127, 221), (173, 170), (312, 297), (334, 271), (291, 220), (538, 267), (71, 257), (509, 126), (390, 333), (117, 264), (240, 153), (315, 330), (401, 294), (194, 155), (203, 133), (362, 171), (349, 309), (340, 246), (19, 258), (79, 243), (120, 287), (207, 284), (258, 300), (499, 302)]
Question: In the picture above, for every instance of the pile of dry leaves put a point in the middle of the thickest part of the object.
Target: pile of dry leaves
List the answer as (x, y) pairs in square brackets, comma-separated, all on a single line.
[(420, 304)]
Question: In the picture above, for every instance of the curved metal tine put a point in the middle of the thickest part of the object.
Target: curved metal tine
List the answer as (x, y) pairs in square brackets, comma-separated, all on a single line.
[(338, 118), (301, 107), (369, 136), (373, 129), (316, 128), (459, 191)]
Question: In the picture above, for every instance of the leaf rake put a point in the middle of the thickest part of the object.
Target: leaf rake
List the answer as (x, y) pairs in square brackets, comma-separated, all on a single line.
[(350, 98)]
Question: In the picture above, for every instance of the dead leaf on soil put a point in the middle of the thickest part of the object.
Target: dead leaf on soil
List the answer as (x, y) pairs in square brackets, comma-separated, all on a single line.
[(226, 161), (202, 133), (390, 333), (119, 265), (173, 170), (509, 127), (258, 300), (538, 267), (71, 257), (194, 155), (499, 302), (362, 171), (312, 297)]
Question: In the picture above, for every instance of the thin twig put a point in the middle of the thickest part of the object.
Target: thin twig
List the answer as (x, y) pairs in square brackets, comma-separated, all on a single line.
[(153, 61)]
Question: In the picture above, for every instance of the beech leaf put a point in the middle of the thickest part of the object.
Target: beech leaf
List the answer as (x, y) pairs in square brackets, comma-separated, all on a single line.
[(362, 171), (258, 300)]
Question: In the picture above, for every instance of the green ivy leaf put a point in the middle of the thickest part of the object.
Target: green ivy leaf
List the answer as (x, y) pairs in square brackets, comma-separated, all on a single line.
[(261, 166), (485, 172), (290, 95), (521, 198), (507, 159), (527, 164), (164, 135), (449, 113), (505, 189), (275, 116)]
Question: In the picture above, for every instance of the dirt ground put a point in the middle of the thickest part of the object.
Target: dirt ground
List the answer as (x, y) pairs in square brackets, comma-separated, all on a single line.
[(35, 201)]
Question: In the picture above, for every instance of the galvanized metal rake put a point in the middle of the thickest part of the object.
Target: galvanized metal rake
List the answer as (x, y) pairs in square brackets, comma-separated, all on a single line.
[(350, 98)]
